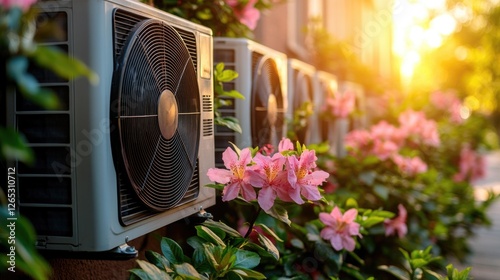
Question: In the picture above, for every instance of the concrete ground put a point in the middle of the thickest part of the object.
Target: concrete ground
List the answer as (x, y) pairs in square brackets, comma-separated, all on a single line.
[(485, 260)]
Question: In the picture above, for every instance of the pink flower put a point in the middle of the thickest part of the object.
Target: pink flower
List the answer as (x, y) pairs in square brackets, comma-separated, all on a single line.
[(410, 166), (398, 224), (340, 229), (358, 140), (341, 105), (384, 149), (237, 178), (23, 4), (301, 177), (449, 102), (285, 145), (270, 176), (387, 132), (247, 14), (471, 167), (417, 127)]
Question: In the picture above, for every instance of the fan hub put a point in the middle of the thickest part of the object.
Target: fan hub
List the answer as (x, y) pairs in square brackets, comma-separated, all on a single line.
[(272, 109), (167, 114)]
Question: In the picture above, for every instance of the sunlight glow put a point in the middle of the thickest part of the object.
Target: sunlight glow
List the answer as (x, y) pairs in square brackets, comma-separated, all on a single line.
[(415, 32)]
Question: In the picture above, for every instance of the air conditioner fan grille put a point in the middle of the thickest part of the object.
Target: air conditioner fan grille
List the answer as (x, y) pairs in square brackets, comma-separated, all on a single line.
[(154, 62)]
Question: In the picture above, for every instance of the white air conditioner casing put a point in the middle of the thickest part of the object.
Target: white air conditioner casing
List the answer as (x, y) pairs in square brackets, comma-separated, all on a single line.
[(300, 91), (91, 153), (263, 81), (357, 119), (325, 86)]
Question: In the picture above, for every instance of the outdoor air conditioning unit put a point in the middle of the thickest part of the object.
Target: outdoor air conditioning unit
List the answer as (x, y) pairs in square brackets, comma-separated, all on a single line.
[(325, 87), (302, 114), (262, 80), (357, 119), (126, 156)]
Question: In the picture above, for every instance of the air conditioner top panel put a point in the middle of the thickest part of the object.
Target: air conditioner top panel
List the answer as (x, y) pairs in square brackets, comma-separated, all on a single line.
[(326, 76), (132, 5), (294, 63), (249, 44)]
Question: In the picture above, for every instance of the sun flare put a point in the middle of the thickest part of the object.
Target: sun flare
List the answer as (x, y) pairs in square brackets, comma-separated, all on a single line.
[(416, 31)]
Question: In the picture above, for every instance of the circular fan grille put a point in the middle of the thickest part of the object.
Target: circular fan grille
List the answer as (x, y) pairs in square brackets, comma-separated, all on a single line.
[(268, 112), (303, 96), (158, 114)]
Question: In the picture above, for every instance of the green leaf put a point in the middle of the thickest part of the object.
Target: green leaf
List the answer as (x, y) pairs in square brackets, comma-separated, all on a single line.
[(187, 271), (279, 212), (246, 259), (227, 229), (61, 64), (17, 70), (158, 260), (269, 231), (327, 254), (227, 75), (200, 261), (371, 221), (13, 146), (249, 274), (209, 235), (149, 271), (229, 122), (351, 203), (196, 242), (172, 251), (215, 186), (204, 14), (382, 191), (395, 271), (418, 263), (232, 94), (269, 246), (368, 177), (219, 67)]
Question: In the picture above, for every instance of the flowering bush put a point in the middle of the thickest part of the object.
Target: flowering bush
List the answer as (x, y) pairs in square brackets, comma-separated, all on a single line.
[(340, 105), (226, 18)]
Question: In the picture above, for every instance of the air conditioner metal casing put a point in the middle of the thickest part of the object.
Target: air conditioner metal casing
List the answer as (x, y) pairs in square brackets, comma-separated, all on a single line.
[(92, 203), (301, 89), (237, 54)]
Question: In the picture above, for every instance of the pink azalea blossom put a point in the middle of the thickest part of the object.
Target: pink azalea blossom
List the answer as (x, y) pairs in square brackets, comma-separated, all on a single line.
[(341, 105), (387, 132), (301, 177), (442, 100), (449, 102), (271, 178), (398, 224), (237, 178), (384, 149), (23, 4), (285, 145), (340, 229), (417, 127), (410, 166), (358, 140), (247, 14), (472, 165)]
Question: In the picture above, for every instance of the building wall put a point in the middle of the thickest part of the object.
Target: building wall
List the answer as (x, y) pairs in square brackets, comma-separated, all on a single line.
[(365, 25)]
